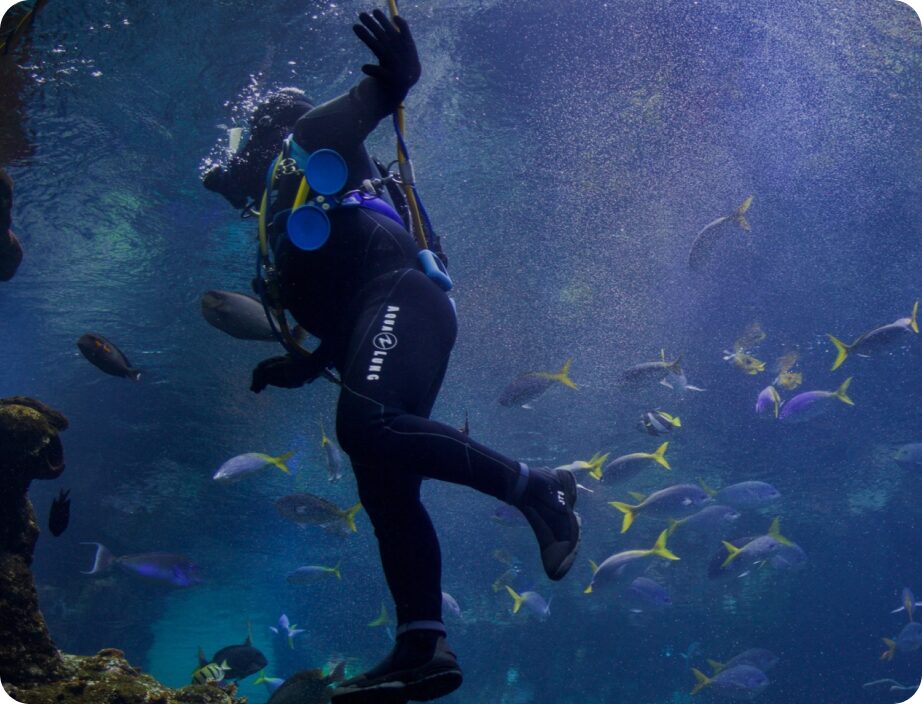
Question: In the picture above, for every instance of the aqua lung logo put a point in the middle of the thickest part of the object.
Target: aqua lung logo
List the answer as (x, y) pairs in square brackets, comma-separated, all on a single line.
[(383, 343)]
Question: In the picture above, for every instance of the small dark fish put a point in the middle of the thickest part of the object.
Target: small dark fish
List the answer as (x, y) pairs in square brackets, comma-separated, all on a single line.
[(59, 516), (307, 509), (707, 241), (909, 454), (308, 687), (658, 423), (237, 661), (106, 356), (168, 568), (739, 682), (531, 385), (876, 339)]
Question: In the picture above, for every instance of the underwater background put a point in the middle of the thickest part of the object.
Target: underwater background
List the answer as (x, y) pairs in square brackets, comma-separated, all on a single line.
[(567, 153)]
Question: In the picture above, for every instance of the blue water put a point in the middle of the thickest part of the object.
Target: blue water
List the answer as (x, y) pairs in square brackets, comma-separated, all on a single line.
[(568, 153)]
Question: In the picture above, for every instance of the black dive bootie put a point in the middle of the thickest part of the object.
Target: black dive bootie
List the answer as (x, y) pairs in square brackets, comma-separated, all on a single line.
[(419, 668), (547, 498)]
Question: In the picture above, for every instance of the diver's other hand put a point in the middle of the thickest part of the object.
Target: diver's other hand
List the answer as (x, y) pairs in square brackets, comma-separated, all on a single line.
[(216, 179), (284, 372), (393, 46)]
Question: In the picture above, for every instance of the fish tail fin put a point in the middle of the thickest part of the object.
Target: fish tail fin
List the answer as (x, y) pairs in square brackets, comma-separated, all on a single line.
[(563, 376), (733, 552), (740, 214), (517, 599), (702, 681), (659, 547), (842, 350), (588, 590), (280, 461), (840, 392), (914, 317), (335, 569), (716, 666), (659, 455), (594, 566), (383, 619), (676, 366), (775, 532), (134, 374), (262, 678), (891, 649), (628, 512), (675, 420), (673, 526), (349, 516), (103, 560)]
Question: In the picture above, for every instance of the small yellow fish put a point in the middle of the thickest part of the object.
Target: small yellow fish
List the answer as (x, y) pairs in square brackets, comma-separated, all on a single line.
[(383, 619), (744, 361), (789, 380)]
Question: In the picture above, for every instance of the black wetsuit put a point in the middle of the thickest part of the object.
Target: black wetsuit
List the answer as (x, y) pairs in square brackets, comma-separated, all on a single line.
[(389, 330)]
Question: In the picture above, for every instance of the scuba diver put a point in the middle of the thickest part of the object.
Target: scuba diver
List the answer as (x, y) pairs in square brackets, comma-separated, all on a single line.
[(352, 275), (10, 249)]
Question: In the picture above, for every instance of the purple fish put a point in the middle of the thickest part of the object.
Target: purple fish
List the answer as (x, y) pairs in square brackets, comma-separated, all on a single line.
[(738, 682), (532, 600), (165, 567), (811, 404), (746, 496), (768, 401)]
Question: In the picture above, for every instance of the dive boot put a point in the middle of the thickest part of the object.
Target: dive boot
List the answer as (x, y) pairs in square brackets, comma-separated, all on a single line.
[(547, 502), (390, 683)]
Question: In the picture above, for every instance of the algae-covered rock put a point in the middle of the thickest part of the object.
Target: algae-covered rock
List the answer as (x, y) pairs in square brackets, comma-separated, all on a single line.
[(107, 678), (29, 449)]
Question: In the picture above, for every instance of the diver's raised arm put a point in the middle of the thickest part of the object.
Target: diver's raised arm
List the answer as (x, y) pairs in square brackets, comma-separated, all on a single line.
[(350, 118)]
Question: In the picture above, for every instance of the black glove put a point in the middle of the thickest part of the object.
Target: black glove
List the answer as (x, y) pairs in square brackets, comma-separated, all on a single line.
[(285, 372), (217, 179), (393, 46)]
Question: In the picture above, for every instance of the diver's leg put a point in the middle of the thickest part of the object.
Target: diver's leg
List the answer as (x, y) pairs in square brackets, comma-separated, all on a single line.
[(420, 666)]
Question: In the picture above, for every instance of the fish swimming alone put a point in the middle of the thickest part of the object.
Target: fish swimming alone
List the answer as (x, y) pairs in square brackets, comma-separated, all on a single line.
[(241, 466), (106, 356), (738, 682), (59, 515), (312, 573), (333, 456), (909, 454), (759, 658), (307, 509), (164, 567), (308, 686), (651, 371), (876, 339), (811, 404), (530, 385), (241, 316), (707, 241), (533, 601)]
